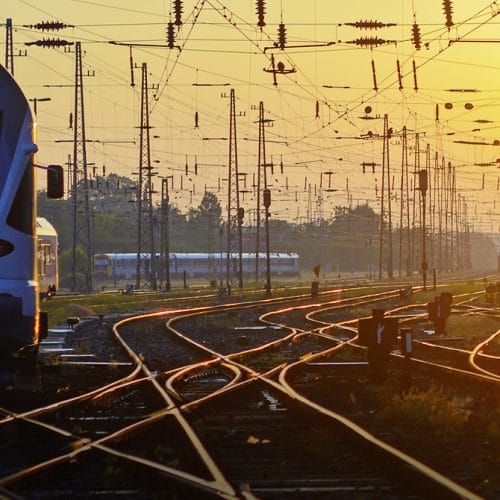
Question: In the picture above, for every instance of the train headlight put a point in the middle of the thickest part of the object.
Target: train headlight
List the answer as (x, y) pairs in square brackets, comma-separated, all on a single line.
[(6, 247)]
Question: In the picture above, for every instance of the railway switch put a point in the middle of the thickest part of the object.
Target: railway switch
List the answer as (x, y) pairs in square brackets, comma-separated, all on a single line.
[(378, 334), (439, 310)]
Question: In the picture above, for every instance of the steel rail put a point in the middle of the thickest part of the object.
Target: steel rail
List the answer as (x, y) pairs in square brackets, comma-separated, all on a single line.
[(475, 352), (283, 387), (82, 446), (61, 404), (415, 464), (214, 470), (169, 384), (129, 379)]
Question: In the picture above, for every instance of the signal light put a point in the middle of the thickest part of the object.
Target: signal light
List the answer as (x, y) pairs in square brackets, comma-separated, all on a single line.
[(51, 43), (415, 36), (178, 12), (261, 10), (281, 36)]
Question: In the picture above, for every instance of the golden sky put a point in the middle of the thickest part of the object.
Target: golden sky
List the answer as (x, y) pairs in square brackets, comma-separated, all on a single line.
[(221, 45)]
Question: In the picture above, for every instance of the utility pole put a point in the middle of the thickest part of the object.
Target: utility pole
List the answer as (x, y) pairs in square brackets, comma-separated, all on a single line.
[(82, 241), (404, 214), (145, 216), (235, 213), (430, 195), (266, 201), (260, 245), (9, 47), (35, 102), (385, 167), (422, 186), (387, 137), (165, 231)]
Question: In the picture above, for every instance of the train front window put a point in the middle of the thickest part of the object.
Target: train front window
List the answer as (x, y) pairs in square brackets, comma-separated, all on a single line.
[(21, 212)]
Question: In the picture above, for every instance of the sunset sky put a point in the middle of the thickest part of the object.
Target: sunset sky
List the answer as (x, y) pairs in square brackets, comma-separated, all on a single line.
[(318, 111)]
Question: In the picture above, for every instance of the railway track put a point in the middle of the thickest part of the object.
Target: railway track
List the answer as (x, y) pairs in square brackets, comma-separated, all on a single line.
[(199, 377)]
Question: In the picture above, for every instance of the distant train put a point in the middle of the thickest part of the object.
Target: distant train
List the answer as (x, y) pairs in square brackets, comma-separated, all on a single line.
[(19, 302), (47, 257), (124, 265)]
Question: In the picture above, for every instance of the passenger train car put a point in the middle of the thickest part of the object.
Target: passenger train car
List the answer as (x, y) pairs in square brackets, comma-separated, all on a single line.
[(47, 257), (123, 265), (19, 306)]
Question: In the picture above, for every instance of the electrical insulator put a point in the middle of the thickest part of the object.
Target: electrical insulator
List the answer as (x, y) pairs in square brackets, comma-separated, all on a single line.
[(104, 172), (281, 166), (370, 25), (317, 109), (70, 126), (400, 77), (178, 12), (448, 12), (48, 26), (170, 35), (267, 198), (281, 36), (370, 41), (196, 118), (415, 36), (186, 167), (261, 11), (437, 112), (51, 43), (374, 74), (195, 167), (415, 84)]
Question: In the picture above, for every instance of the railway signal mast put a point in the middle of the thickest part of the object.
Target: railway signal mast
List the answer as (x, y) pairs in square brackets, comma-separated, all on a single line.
[(82, 243), (146, 256)]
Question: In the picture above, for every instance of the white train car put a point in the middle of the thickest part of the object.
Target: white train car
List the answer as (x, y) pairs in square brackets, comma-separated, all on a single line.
[(19, 302), (124, 265), (47, 257), (18, 286)]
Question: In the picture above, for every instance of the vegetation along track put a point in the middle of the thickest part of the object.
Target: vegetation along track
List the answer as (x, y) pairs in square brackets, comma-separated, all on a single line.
[(227, 393)]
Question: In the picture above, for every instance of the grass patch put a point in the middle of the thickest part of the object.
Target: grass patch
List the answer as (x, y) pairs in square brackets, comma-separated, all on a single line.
[(473, 328), (423, 409)]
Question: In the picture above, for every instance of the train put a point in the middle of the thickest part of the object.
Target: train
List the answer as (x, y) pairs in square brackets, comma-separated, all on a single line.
[(194, 265), (47, 251), (20, 317)]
